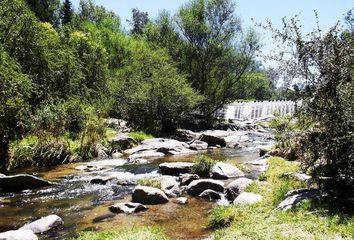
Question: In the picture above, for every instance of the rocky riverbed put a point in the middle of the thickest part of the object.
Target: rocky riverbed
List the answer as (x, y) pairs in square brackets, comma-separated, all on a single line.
[(104, 194)]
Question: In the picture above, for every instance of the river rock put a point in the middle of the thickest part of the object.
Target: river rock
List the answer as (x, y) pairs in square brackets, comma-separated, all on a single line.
[(127, 208), (247, 198), (181, 200), (176, 168), (224, 171), (149, 195), (122, 142), (117, 155), (299, 176), (145, 154), (236, 187), (295, 197), (196, 187), (187, 178), (170, 186), (22, 182), (44, 224), (186, 135), (210, 195), (20, 234), (101, 180), (213, 140), (198, 145)]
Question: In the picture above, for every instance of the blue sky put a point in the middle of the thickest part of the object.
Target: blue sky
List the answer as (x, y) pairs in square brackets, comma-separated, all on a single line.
[(329, 11)]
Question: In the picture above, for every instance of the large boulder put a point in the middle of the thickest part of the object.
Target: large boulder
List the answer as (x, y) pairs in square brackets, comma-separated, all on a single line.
[(295, 197), (170, 186), (196, 187), (127, 208), (224, 171), (18, 235), (176, 168), (186, 135), (236, 187), (44, 224), (122, 142), (247, 198), (210, 195), (198, 145), (149, 195), (22, 182), (187, 178), (212, 140)]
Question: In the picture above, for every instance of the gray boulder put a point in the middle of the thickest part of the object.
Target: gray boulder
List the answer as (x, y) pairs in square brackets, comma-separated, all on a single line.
[(22, 182), (236, 187), (175, 168), (117, 154), (295, 197), (187, 178), (210, 195), (127, 208), (44, 224), (247, 198), (18, 235), (101, 180), (213, 140), (181, 200), (122, 142), (224, 171), (198, 145), (196, 187), (170, 186), (149, 195)]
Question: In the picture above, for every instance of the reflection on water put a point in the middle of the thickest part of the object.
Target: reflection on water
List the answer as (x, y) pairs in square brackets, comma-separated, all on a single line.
[(85, 206)]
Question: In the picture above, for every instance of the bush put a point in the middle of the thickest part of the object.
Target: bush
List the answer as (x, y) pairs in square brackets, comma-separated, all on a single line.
[(202, 165), (221, 216), (155, 183)]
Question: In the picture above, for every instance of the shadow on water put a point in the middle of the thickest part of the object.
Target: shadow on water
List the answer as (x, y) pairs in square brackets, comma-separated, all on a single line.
[(84, 206)]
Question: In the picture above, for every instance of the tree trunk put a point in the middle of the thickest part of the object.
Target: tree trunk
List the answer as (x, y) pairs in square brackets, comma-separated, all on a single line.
[(4, 150)]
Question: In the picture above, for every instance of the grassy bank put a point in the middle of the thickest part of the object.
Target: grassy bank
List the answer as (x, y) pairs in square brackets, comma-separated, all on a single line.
[(262, 221), (135, 233)]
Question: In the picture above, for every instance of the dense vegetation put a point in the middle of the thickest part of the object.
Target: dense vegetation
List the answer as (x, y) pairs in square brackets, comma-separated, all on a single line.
[(60, 68)]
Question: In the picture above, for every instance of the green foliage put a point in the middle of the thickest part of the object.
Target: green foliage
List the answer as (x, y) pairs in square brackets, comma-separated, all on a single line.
[(152, 96), (325, 62), (140, 135), (203, 165), (135, 233), (262, 221), (150, 182), (221, 217)]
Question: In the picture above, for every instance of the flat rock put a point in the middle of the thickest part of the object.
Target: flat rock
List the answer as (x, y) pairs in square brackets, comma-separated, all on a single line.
[(176, 168), (213, 140), (198, 145), (20, 234), (117, 155), (224, 171), (149, 195), (247, 198), (295, 197), (236, 187), (127, 208), (44, 224), (22, 182), (145, 154), (187, 178), (210, 195), (196, 187)]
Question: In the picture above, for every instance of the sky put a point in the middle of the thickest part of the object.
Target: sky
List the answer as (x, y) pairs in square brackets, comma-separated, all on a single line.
[(329, 12)]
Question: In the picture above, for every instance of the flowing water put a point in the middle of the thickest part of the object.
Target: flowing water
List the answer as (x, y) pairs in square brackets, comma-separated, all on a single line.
[(84, 206)]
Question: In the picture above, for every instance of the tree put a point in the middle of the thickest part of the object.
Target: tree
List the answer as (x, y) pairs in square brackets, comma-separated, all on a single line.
[(45, 10), (138, 21), (214, 59), (66, 12), (152, 96), (324, 63), (15, 90)]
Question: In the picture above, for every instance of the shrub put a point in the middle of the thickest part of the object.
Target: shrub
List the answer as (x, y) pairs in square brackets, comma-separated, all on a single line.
[(155, 183), (202, 165), (221, 216)]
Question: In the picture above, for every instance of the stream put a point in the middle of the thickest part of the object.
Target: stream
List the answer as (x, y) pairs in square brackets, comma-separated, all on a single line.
[(84, 206)]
